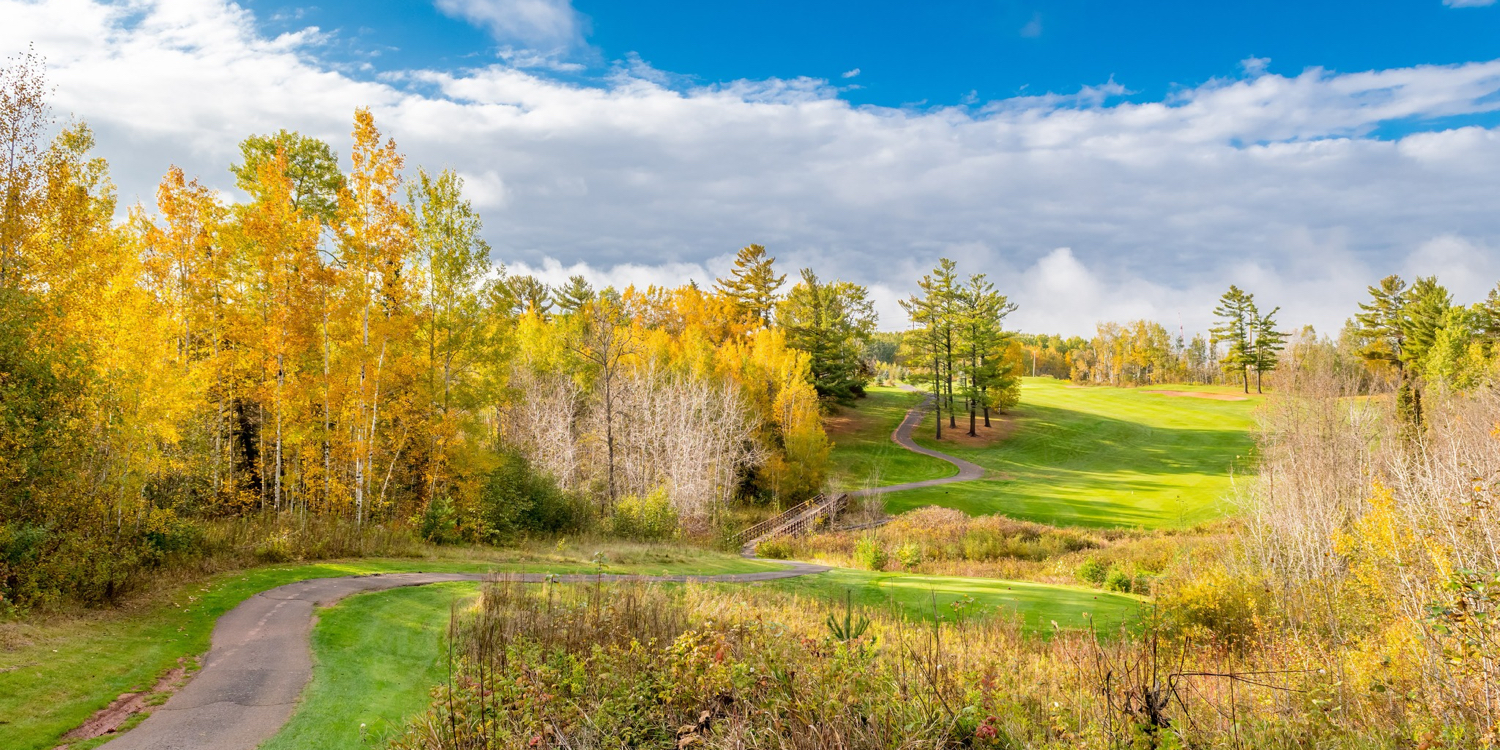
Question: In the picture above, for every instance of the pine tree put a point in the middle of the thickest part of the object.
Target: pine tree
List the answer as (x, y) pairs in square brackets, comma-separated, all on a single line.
[(1421, 317), (832, 322), (753, 283), (1379, 325), (924, 343), (980, 319), (1267, 345), (529, 295), (1237, 317), (572, 297)]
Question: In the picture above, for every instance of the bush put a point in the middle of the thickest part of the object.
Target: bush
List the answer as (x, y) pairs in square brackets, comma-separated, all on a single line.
[(1117, 580), (439, 523), (646, 518), (868, 554), (775, 549), (516, 498), (1215, 604), (1092, 572), (909, 554)]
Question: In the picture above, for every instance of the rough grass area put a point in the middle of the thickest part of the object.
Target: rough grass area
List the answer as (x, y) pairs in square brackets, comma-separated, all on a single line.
[(1101, 457), (863, 454), (55, 672), (376, 657)]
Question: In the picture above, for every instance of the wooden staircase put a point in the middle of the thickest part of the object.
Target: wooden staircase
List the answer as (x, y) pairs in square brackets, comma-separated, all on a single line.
[(795, 520)]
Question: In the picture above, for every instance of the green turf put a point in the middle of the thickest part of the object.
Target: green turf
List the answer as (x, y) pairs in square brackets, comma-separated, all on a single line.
[(1039, 605), (1102, 457), (863, 454), (71, 669), (376, 657)]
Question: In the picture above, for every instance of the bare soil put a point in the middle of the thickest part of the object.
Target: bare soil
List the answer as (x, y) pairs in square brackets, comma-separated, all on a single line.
[(109, 718)]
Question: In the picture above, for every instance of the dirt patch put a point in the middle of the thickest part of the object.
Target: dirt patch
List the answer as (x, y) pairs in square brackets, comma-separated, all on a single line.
[(849, 421), (109, 719), (1198, 394), (1002, 427)]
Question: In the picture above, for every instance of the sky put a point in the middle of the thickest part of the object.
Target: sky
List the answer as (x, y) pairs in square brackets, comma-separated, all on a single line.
[(1098, 161)]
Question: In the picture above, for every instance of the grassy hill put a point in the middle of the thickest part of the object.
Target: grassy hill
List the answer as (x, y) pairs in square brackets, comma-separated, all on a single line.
[(864, 455), (1075, 456)]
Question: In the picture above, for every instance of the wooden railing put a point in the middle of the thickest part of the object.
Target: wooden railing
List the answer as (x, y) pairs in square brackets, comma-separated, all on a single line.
[(794, 520)]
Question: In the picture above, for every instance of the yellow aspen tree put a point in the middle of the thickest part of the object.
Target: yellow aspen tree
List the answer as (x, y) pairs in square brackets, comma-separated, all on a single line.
[(375, 242)]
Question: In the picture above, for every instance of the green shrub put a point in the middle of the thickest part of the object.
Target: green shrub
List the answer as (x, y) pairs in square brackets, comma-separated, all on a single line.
[(1117, 580), (1092, 572), (868, 554), (275, 548), (439, 523), (646, 518), (909, 554), (775, 549), (515, 498)]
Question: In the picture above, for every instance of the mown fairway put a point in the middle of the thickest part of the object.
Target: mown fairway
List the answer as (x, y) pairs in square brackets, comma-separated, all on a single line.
[(863, 454), (377, 657), (1100, 456), (1038, 605)]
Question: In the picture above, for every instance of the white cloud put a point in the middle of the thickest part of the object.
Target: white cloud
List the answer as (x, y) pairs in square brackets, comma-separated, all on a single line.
[(544, 25), (850, 73), (1269, 181), (1254, 66), (1033, 28), (1468, 3)]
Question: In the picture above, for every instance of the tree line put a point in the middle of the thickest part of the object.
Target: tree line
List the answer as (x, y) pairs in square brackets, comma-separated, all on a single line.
[(340, 345)]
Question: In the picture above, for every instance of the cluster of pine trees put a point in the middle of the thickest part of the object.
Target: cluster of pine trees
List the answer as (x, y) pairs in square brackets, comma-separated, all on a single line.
[(340, 346), (958, 338)]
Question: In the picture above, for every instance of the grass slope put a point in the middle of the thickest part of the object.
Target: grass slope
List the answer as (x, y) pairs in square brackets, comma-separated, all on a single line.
[(1102, 457), (377, 657), (1038, 605), (55, 675), (863, 454)]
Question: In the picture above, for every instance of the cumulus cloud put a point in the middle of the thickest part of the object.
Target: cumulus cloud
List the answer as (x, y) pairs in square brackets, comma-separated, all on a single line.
[(537, 24), (1274, 182)]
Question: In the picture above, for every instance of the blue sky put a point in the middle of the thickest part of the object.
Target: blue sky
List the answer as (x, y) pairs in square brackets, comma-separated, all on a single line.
[(950, 53), (1100, 161)]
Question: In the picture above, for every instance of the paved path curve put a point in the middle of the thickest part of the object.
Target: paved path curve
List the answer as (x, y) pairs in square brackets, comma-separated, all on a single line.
[(260, 659), (967, 472)]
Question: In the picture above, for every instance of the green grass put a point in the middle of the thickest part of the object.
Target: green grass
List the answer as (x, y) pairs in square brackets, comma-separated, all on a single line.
[(376, 657), (55, 674), (1102, 457), (863, 454), (1038, 605)]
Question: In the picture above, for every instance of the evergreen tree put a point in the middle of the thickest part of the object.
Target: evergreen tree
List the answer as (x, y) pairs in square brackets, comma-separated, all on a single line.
[(1237, 318), (924, 342), (530, 295), (1267, 345), (1379, 324), (1421, 317), (980, 319), (753, 283), (572, 297), (832, 322)]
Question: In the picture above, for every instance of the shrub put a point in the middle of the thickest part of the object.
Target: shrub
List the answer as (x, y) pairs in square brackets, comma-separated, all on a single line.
[(909, 554), (516, 498), (646, 518), (1092, 572), (1117, 580), (1215, 604), (439, 523), (868, 554), (775, 549)]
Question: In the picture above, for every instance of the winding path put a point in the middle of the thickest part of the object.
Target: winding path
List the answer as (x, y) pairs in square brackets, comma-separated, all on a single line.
[(261, 660), (967, 472)]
